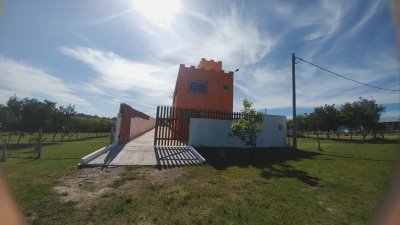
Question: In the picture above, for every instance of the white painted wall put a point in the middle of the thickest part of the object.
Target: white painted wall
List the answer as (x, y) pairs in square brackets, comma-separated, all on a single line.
[(117, 129), (140, 126), (215, 133)]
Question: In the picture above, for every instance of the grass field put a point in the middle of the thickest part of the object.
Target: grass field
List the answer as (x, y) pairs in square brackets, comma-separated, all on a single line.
[(341, 184)]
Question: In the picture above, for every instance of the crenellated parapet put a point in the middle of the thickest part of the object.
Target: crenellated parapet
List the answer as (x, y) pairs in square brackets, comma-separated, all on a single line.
[(208, 65)]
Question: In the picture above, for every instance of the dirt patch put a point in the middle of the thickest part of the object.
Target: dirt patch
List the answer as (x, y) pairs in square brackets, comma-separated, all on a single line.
[(165, 176), (92, 184), (88, 185)]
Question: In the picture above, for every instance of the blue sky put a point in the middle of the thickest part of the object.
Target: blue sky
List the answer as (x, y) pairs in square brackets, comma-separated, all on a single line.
[(96, 54)]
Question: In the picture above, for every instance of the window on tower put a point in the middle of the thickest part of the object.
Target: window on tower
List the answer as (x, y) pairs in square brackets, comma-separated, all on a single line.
[(199, 87)]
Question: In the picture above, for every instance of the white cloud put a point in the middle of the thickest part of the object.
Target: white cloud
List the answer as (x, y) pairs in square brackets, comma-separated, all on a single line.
[(322, 19), (231, 36), (326, 19), (271, 87), (238, 38), (159, 13), (25, 80), (364, 19), (144, 84)]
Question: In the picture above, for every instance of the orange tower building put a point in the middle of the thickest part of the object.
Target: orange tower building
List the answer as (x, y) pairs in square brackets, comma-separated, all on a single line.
[(204, 87)]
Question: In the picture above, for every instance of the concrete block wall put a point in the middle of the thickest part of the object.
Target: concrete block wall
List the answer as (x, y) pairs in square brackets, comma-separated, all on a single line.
[(215, 133)]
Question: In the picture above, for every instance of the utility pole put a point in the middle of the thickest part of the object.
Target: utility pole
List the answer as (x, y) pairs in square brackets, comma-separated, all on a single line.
[(294, 133)]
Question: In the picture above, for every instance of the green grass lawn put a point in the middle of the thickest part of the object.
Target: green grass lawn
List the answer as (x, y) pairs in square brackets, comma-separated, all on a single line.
[(341, 184), (31, 180)]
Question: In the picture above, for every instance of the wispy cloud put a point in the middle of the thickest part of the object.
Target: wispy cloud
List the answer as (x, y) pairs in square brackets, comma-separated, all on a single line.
[(364, 19), (138, 62), (110, 17), (239, 38), (271, 87), (146, 84), (25, 80), (231, 35), (324, 20)]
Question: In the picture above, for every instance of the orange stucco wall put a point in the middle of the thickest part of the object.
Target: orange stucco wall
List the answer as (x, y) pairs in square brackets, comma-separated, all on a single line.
[(216, 98), (210, 65)]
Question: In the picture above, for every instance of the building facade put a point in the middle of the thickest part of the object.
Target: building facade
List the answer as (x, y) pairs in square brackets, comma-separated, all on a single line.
[(205, 87)]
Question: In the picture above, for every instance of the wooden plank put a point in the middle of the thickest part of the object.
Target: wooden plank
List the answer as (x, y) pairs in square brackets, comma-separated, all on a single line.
[(161, 126), (180, 122), (173, 121), (169, 133), (163, 130), (156, 127), (172, 124), (175, 125), (167, 127)]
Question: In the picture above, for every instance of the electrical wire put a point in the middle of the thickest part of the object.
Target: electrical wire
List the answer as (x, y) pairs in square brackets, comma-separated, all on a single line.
[(336, 74)]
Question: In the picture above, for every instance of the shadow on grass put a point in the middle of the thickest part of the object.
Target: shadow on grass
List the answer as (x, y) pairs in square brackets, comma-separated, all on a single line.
[(283, 170), (272, 161), (222, 158)]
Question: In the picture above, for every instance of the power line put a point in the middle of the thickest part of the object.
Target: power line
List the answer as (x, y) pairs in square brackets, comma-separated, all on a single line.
[(336, 74)]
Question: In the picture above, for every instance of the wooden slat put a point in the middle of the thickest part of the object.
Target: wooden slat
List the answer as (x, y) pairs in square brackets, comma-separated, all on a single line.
[(168, 119), (155, 128), (172, 124), (173, 121), (164, 142)]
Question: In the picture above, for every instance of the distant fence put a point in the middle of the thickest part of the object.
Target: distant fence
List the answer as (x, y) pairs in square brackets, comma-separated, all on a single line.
[(29, 145), (172, 124), (55, 137)]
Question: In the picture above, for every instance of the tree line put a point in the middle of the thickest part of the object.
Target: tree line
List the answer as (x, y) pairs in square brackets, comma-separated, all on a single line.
[(30, 115), (362, 116)]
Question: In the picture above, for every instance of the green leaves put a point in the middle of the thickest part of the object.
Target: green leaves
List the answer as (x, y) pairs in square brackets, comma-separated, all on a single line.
[(30, 114), (249, 125)]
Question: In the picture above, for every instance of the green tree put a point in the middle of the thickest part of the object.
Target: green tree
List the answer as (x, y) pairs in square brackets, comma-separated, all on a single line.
[(367, 114), (327, 118), (349, 118), (249, 125)]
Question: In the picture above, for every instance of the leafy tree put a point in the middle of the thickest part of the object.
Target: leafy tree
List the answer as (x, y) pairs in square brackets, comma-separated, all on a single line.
[(306, 123), (367, 115), (249, 125), (327, 118), (301, 125), (30, 115), (362, 114), (35, 114), (11, 114), (349, 117)]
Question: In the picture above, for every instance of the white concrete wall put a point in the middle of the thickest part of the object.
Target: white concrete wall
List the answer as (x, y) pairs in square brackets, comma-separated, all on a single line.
[(117, 129), (140, 126), (215, 133)]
